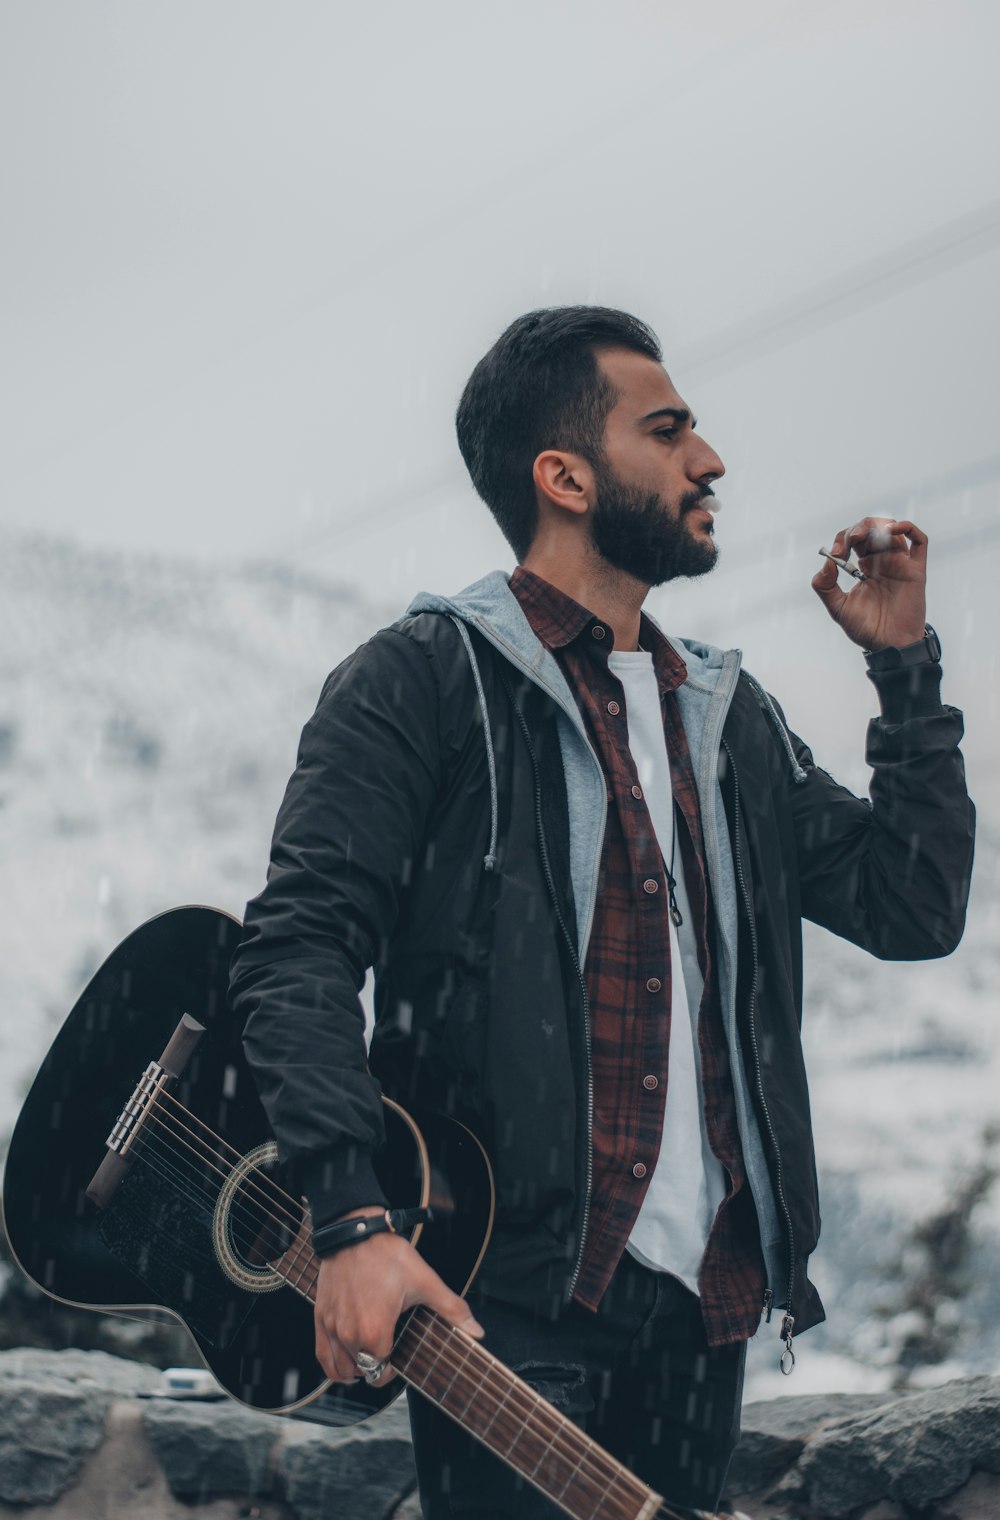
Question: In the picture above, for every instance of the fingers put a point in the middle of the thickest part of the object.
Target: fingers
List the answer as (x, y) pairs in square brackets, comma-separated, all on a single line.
[(360, 1295), (334, 1358), (881, 535), (339, 1344), (825, 584), (438, 1296)]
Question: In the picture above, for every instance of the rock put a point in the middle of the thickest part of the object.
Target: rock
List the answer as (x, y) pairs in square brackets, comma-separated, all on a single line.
[(362, 1473), (114, 1374), (80, 1437), (209, 1449), (409, 1509), (48, 1427), (915, 1450), (978, 1500), (775, 1432)]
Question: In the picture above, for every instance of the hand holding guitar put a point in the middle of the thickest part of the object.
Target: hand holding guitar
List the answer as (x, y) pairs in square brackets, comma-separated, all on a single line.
[(888, 607), (361, 1293)]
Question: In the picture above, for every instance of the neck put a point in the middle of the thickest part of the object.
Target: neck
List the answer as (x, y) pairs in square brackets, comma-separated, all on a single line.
[(611, 595)]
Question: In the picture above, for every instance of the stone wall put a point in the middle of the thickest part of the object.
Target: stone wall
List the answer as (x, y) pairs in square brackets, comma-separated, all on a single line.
[(84, 1436)]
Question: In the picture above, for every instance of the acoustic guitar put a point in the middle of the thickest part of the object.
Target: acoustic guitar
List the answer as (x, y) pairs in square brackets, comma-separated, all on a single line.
[(139, 1182)]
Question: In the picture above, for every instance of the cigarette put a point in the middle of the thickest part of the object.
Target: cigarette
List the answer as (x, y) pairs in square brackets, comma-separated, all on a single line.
[(843, 564)]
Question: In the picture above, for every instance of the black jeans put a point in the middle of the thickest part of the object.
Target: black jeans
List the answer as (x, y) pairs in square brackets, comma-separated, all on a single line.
[(638, 1376)]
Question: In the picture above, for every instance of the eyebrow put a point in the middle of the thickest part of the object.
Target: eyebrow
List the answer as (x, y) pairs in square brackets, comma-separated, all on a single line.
[(680, 415)]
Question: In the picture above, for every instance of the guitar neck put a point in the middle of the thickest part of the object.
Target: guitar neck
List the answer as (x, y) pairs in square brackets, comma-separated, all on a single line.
[(499, 1409), (493, 1404)]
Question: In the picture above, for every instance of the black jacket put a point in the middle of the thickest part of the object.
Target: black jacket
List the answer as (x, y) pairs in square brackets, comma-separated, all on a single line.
[(380, 859)]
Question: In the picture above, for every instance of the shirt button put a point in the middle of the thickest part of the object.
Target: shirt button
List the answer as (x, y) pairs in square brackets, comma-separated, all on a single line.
[(614, 709), (637, 792), (654, 984), (597, 631), (651, 886), (639, 1170), (650, 1082)]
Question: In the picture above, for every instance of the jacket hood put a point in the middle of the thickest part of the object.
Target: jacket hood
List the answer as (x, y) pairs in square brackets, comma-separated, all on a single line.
[(490, 605)]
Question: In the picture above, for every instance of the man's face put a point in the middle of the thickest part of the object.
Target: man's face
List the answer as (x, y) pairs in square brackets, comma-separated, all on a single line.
[(648, 517)]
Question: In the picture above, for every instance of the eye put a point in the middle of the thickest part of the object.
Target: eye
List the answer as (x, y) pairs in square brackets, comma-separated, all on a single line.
[(670, 432)]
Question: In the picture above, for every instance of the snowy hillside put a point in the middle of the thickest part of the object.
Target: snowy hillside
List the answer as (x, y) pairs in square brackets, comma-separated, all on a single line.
[(149, 712)]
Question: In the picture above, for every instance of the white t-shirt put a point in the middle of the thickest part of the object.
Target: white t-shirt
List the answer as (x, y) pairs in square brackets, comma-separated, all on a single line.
[(688, 1182)]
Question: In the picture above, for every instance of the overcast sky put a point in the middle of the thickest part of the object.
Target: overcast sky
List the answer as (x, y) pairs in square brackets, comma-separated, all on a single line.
[(251, 251)]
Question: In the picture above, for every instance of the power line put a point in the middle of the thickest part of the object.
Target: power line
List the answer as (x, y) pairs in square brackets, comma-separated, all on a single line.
[(866, 285)]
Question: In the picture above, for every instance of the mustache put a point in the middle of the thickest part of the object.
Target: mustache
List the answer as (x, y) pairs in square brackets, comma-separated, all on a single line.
[(692, 499)]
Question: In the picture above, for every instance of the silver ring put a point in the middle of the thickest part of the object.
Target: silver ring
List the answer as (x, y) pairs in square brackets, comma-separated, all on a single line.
[(369, 1366)]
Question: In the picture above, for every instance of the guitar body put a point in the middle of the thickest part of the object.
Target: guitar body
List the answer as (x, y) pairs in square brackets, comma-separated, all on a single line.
[(192, 1225)]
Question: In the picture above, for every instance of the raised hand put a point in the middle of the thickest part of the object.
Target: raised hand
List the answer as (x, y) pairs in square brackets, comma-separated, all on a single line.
[(889, 606)]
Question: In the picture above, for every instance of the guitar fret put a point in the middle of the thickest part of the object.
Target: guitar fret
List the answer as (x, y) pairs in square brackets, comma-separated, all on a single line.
[(298, 1261), (437, 1357), (463, 1361), (482, 1433), (483, 1375)]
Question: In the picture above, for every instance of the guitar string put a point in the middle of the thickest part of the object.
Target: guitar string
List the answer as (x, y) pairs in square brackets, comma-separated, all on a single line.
[(296, 1251), (151, 1152), (524, 1403), (162, 1160), (292, 1223), (155, 1157), (225, 1169), (278, 1191), (520, 1401), (239, 1210), (293, 1250)]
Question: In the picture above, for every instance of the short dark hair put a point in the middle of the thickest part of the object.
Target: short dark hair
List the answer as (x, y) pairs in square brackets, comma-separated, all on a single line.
[(539, 387)]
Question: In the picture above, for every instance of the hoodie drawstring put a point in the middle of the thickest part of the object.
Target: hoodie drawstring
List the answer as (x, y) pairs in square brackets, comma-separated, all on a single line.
[(490, 858), (764, 698)]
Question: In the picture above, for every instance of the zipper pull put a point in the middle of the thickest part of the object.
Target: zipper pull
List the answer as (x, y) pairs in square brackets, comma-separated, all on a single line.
[(768, 1305), (787, 1362)]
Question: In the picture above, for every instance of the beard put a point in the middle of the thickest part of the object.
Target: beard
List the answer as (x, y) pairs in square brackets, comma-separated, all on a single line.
[(637, 532)]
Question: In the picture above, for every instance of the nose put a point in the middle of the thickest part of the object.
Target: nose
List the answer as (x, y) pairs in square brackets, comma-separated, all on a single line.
[(704, 464)]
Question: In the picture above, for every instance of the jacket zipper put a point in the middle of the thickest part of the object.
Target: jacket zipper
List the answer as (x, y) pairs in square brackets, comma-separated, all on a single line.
[(550, 883), (788, 1322)]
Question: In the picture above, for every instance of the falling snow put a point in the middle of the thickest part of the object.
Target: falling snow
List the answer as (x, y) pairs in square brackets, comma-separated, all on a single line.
[(149, 711)]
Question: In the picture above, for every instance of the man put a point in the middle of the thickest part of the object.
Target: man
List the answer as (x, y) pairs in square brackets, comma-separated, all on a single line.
[(577, 853)]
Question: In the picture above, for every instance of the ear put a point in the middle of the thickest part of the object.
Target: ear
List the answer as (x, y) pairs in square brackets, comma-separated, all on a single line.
[(565, 480)]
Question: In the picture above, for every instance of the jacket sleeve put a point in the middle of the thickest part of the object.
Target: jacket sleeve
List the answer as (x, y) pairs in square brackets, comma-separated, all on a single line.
[(892, 875), (347, 833)]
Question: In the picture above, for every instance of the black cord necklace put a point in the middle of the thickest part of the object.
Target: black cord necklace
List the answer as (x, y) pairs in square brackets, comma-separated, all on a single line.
[(675, 912)]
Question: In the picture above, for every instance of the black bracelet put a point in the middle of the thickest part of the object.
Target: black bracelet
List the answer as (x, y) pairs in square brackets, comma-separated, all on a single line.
[(330, 1238)]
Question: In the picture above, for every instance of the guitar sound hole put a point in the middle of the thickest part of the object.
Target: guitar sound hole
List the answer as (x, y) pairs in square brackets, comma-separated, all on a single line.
[(255, 1221), (262, 1222)]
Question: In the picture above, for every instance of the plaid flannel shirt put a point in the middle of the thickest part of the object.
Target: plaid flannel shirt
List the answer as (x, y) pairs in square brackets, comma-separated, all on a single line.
[(627, 975)]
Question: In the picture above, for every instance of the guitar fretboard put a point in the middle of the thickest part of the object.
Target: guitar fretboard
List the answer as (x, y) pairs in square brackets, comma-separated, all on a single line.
[(517, 1424), (498, 1408)]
